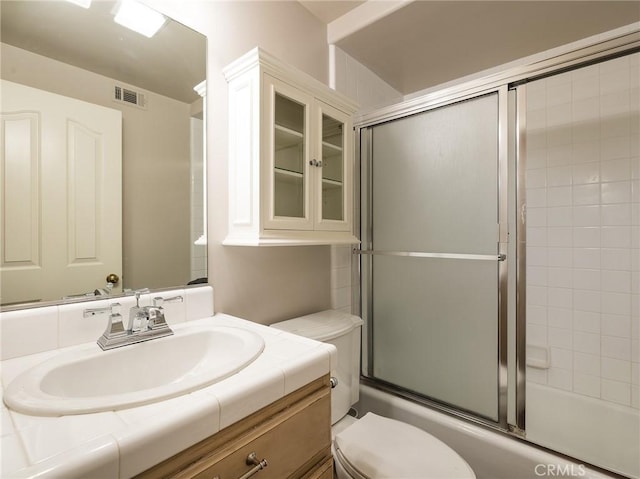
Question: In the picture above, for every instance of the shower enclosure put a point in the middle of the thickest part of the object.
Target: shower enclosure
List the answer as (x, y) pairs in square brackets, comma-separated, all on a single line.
[(500, 253)]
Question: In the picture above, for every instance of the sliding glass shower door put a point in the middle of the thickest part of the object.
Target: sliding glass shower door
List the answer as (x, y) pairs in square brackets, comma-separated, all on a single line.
[(432, 254)]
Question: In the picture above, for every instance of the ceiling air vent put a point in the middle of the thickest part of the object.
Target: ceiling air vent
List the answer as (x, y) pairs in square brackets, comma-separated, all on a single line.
[(131, 97)]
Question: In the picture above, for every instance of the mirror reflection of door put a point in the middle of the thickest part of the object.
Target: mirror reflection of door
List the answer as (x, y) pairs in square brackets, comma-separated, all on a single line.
[(61, 162)]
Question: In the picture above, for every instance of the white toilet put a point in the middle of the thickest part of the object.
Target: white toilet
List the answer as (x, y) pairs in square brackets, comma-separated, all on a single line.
[(373, 447)]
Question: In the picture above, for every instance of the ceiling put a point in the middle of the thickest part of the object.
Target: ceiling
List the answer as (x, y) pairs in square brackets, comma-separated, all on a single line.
[(426, 43), (329, 10), (418, 45), (171, 63)]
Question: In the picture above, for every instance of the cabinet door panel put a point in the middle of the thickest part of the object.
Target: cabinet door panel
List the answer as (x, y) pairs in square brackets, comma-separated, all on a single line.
[(286, 183), (334, 172)]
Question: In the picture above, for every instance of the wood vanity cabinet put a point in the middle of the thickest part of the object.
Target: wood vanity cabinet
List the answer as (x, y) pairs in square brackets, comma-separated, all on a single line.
[(291, 167), (293, 435)]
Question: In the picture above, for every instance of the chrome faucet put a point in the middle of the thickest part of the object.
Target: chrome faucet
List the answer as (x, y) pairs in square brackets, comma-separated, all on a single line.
[(145, 322)]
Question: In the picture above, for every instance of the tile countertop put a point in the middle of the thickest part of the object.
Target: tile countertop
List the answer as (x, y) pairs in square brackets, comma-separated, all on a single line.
[(123, 443)]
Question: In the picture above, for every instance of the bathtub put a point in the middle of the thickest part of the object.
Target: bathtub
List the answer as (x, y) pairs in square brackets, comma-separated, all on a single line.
[(617, 445), (492, 455)]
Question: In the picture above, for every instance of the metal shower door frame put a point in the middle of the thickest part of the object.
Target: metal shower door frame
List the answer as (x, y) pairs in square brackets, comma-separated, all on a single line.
[(366, 253), (511, 80)]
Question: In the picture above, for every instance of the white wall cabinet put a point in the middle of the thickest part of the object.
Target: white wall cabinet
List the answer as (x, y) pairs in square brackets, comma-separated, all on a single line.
[(290, 156)]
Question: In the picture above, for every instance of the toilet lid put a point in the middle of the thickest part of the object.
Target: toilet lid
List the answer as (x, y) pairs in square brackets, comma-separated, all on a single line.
[(377, 447)]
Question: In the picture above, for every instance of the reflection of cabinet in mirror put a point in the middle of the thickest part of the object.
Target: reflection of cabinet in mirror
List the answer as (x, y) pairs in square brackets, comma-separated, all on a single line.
[(290, 156)]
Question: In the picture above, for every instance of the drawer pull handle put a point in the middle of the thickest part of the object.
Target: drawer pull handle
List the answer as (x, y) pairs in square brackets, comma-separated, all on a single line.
[(252, 460)]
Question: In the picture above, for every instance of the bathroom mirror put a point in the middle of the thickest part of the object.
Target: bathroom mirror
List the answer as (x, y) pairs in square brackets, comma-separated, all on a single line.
[(156, 210)]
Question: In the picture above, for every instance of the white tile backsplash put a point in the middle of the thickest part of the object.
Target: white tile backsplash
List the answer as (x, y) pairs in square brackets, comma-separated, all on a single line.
[(65, 325), (28, 331)]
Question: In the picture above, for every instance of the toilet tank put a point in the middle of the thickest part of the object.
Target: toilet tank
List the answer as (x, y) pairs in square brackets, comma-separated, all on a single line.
[(343, 331)]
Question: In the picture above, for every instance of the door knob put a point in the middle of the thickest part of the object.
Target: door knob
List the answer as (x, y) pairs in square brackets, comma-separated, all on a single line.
[(113, 278)]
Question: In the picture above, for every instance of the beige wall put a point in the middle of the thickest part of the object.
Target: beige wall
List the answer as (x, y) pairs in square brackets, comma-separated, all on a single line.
[(260, 284), (156, 167)]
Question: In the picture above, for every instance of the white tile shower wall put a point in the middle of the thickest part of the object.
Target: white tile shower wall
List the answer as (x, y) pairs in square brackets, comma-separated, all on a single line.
[(35, 330), (353, 79), (583, 229)]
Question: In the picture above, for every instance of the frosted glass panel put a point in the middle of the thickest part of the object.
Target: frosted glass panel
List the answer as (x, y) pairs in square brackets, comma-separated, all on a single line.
[(435, 180), (435, 329), (435, 190)]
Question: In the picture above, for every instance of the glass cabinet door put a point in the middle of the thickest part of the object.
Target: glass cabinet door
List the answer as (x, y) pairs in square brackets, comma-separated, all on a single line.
[(333, 171), (289, 158), (287, 180), (307, 175)]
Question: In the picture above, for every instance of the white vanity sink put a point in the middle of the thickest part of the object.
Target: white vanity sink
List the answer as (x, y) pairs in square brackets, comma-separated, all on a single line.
[(86, 379)]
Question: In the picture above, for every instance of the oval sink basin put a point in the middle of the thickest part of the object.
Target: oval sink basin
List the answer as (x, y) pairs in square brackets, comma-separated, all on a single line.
[(86, 380)]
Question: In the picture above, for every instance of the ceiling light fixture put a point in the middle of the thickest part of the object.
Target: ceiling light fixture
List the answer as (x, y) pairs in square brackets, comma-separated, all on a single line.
[(81, 3), (139, 18)]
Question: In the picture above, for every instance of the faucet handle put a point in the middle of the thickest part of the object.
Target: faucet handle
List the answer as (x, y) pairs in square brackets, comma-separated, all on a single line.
[(114, 309), (159, 300), (114, 330)]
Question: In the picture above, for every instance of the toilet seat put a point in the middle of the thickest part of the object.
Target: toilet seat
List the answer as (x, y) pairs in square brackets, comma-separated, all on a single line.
[(376, 447)]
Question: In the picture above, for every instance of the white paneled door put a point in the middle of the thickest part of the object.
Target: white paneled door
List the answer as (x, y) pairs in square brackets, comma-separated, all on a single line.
[(61, 198)]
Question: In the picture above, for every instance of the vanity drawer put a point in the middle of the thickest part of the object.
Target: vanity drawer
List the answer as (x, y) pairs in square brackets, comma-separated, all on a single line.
[(292, 434), (292, 445)]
